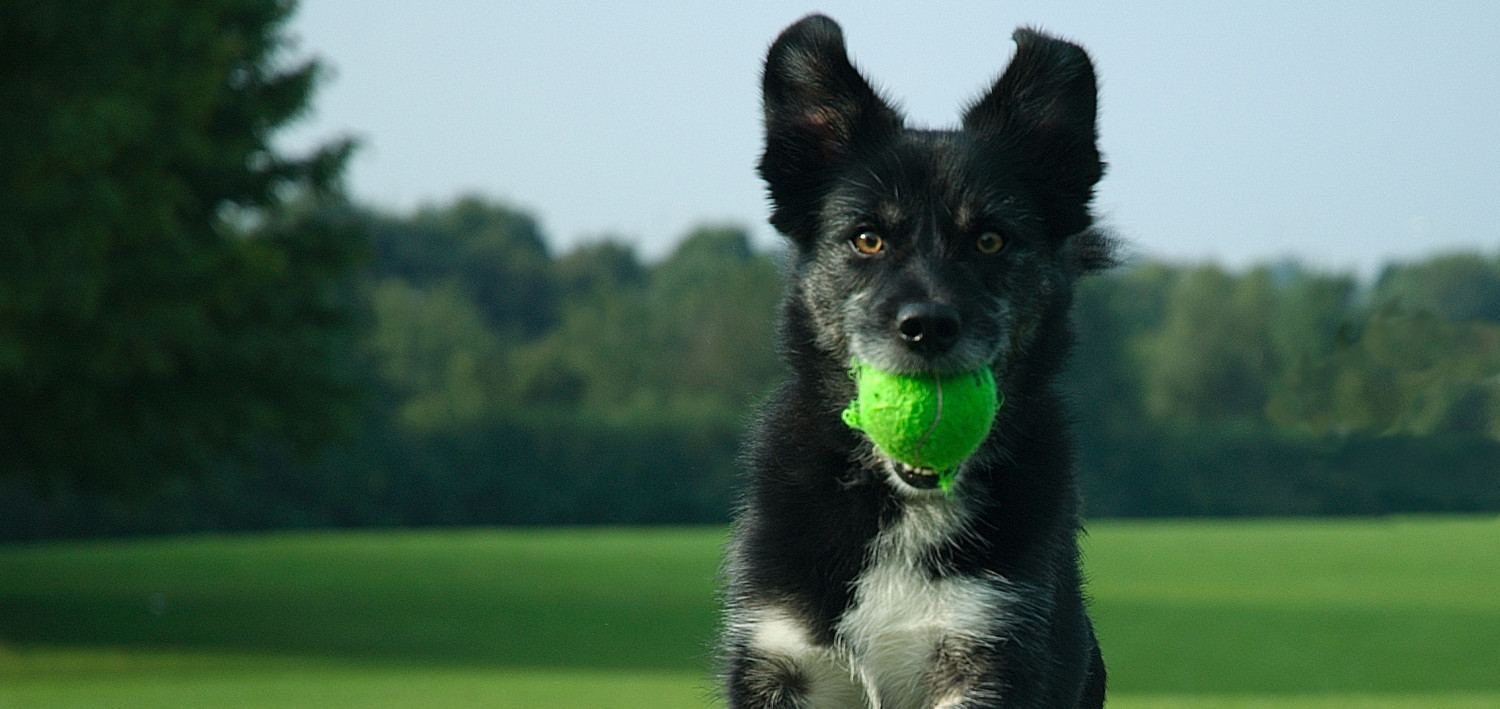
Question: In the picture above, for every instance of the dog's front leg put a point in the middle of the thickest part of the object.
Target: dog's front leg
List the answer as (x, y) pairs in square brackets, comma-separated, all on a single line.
[(987, 678), (811, 680), (756, 682), (1035, 688)]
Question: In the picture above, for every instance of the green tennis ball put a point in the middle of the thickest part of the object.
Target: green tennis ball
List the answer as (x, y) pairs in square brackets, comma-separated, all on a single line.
[(924, 420)]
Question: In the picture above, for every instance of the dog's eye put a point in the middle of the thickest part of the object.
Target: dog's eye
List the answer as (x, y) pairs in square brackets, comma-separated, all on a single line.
[(868, 243), (989, 243)]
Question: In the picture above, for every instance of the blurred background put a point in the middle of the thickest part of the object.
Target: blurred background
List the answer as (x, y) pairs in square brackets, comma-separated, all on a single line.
[(359, 265), (271, 266)]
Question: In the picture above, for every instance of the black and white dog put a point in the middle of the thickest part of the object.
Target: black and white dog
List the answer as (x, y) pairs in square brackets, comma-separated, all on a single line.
[(852, 582)]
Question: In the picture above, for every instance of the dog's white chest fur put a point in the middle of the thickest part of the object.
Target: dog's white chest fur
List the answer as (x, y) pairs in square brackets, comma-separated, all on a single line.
[(891, 643)]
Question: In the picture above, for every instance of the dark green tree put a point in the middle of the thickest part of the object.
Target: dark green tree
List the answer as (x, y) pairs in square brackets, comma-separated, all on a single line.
[(689, 336), (1457, 287), (1212, 359), (1111, 314), (495, 254), (599, 270), (714, 303), (1310, 309), (160, 304), (1404, 372), (595, 357), (435, 351)]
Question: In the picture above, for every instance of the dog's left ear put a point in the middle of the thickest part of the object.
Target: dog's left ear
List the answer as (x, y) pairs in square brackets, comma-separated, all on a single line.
[(1040, 115)]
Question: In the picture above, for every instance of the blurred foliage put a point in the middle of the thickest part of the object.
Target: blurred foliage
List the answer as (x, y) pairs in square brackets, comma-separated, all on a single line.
[(190, 316), (434, 349), (1406, 372), (496, 256), (1455, 287), (513, 385), (683, 339), (1212, 355), (170, 285)]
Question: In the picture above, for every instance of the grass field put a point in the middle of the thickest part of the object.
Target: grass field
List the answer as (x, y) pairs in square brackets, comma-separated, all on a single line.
[(1387, 614)]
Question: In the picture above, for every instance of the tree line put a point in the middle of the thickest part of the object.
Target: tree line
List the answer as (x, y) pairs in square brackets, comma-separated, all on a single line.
[(502, 383), (200, 332)]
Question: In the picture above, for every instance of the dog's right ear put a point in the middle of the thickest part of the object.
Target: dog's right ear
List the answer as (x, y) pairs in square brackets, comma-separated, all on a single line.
[(818, 111)]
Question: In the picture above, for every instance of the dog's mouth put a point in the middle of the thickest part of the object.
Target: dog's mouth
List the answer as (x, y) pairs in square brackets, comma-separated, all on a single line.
[(920, 478)]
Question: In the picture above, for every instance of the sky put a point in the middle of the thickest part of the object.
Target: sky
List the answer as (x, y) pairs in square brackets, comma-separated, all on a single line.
[(1343, 134)]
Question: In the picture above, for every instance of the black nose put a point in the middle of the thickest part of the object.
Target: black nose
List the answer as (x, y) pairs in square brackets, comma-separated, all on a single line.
[(927, 326)]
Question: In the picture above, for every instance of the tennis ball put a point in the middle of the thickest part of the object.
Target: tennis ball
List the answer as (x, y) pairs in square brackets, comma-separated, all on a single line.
[(927, 421)]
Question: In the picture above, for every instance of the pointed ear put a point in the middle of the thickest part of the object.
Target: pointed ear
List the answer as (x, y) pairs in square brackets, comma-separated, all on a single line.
[(1042, 110), (818, 111)]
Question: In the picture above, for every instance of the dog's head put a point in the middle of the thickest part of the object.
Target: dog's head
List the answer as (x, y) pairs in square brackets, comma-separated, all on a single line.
[(920, 250)]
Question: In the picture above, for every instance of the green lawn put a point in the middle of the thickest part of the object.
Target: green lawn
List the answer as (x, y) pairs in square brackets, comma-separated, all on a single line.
[(1369, 614)]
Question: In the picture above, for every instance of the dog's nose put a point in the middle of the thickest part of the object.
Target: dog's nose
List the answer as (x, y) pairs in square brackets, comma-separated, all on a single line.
[(927, 326)]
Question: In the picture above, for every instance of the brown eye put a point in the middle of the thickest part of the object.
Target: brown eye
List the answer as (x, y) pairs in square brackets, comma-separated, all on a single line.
[(989, 243), (868, 243)]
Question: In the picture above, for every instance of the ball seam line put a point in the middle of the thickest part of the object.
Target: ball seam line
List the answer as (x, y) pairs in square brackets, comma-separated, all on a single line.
[(937, 416)]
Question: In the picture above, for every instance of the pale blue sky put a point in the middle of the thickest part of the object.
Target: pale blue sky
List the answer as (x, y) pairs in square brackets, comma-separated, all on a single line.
[(1346, 134)]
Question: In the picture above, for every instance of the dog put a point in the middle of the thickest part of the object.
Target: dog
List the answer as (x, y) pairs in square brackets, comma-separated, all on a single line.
[(855, 581)]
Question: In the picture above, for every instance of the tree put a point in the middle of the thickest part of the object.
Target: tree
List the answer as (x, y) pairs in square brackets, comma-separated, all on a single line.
[(1405, 372), (1310, 309), (1212, 358), (496, 254), (1456, 287), (435, 350), (599, 270), (689, 336), (162, 303), (1112, 312), (714, 302)]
